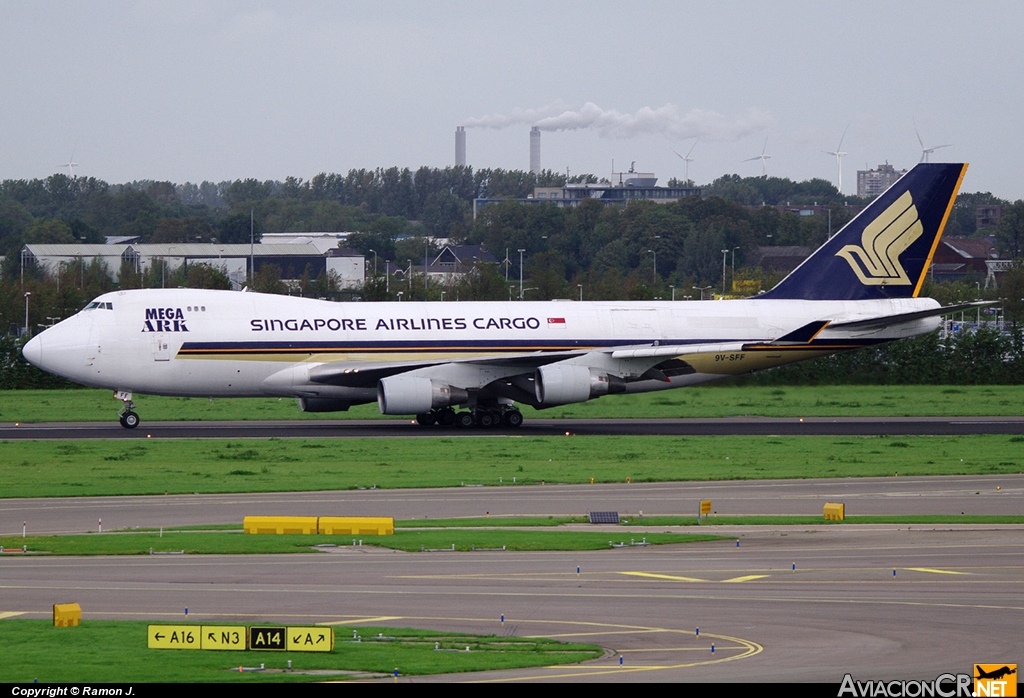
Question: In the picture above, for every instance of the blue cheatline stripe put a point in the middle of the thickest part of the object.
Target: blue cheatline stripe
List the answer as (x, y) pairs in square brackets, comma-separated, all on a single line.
[(494, 346), (511, 346)]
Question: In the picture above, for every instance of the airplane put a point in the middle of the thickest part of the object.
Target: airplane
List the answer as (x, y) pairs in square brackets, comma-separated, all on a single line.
[(469, 363), (995, 673)]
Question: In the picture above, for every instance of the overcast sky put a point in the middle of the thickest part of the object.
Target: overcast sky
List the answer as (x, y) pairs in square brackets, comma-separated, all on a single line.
[(193, 91)]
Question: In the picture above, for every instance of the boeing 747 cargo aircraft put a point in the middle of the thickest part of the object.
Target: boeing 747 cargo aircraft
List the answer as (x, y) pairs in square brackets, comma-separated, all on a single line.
[(470, 363)]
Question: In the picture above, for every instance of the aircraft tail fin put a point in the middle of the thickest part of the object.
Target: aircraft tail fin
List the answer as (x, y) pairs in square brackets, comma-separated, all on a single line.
[(885, 251)]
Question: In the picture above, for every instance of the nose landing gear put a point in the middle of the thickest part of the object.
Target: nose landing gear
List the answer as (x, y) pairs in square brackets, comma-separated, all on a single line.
[(127, 416)]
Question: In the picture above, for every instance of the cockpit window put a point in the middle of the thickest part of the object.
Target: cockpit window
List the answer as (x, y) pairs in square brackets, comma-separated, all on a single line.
[(92, 306), (96, 304)]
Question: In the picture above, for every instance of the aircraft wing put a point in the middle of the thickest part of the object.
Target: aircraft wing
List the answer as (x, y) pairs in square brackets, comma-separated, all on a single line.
[(366, 375)]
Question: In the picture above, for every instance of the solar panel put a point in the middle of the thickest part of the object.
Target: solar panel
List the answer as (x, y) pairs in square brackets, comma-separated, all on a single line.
[(604, 517)]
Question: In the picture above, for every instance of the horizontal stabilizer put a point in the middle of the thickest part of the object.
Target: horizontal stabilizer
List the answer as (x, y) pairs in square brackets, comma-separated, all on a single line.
[(890, 320)]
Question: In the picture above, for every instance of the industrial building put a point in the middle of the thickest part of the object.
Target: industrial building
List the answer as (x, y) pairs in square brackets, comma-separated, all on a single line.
[(294, 259), (628, 186)]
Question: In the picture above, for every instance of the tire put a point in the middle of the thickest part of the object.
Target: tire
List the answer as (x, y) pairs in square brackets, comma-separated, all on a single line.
[(130, 420), (464, 420), (426, 419), (485, 420), (447, 417), (514, 418)]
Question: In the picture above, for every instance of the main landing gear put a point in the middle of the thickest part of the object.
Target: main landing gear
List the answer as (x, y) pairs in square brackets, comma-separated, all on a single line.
[(127, 416), (478, 417)]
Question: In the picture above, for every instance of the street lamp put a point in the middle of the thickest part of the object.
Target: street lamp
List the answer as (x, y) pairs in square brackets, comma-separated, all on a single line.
[(374, 263), (27, 294), (581, 291), (724, 253), (521, 250), (673, 292), (399, 294), (442, 296), (654, 279), (410, 275)]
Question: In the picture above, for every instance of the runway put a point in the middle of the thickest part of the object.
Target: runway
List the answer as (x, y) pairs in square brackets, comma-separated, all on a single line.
[(787, 605), (726, 426)]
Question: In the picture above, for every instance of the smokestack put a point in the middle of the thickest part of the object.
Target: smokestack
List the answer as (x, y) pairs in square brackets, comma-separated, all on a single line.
[(535, 150), (460, 146)]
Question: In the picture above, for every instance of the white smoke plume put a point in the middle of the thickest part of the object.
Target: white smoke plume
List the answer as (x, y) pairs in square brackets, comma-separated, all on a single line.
[(666, 121)]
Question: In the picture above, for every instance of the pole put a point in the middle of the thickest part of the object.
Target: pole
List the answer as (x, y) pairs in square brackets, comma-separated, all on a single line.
[(252, 247), (426, 243), (27, 294), (724, 253), (521, 273)]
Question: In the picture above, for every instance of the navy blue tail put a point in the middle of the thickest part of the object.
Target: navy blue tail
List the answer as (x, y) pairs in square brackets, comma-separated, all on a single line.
[(885, 251)]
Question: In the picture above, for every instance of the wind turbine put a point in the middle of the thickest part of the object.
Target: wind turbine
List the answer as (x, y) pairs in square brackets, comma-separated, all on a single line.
[(763, 158), (687, 159), (838, 152), (71, 164), (925, 152)]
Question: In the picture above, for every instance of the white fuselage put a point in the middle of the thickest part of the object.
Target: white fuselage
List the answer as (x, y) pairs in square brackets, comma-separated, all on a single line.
[(188, 342)]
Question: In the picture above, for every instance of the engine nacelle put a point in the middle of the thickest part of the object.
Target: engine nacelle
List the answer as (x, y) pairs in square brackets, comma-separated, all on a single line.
[(561, 384), (416, 395)]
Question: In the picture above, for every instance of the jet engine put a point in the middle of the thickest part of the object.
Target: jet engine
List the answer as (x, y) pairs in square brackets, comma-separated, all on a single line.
[(416, 395), (561, 384)]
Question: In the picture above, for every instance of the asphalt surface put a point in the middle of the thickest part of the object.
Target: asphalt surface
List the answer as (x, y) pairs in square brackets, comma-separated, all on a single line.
[(790, 603), (786, 605), (727, 426)]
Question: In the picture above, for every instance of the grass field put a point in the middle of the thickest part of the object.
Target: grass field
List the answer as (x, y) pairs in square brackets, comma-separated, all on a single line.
[(226, 543), (74, 468), (708, 401), (116, 652)]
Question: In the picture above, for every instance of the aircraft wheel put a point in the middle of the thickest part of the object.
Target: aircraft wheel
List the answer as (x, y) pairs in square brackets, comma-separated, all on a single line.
[(514, 418), (485, 420), (464, 420), (129, 420), (447, 417), (426, 419)]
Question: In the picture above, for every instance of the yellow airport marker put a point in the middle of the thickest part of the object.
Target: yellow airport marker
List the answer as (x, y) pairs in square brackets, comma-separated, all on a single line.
[(931, 570), (670, 577)]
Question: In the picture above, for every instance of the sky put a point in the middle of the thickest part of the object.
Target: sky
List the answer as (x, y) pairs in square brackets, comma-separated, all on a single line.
[(194, 91)]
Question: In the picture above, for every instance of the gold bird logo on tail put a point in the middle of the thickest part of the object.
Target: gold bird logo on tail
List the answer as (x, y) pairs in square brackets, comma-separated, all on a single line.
[(882, 243)]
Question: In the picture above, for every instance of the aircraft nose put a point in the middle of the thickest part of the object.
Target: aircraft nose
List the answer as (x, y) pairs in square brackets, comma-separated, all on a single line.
[(33, 351)]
